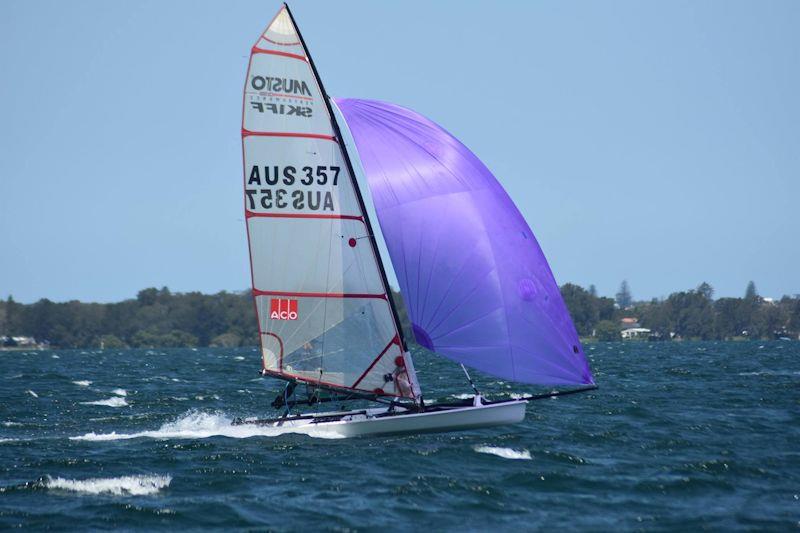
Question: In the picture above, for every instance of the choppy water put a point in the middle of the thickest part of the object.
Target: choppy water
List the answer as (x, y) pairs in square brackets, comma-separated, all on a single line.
[(679, 436)]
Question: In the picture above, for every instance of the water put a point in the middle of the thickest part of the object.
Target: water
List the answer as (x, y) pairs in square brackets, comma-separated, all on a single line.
[(682, 435)]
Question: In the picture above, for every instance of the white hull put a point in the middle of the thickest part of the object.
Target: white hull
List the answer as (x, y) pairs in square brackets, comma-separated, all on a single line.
[(380, 422)]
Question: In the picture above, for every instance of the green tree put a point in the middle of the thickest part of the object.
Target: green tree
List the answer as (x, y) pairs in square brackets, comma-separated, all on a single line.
[(706, 290), (109, 342), (624, 298), (691, 315), (751, 293), (581, 307), (607, 330)]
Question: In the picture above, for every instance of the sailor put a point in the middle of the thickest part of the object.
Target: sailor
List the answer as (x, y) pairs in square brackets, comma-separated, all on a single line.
[(400, 377)]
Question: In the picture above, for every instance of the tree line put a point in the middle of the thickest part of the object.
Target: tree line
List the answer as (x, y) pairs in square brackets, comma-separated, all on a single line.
[(161, 318), (155, 318), (692, 314)]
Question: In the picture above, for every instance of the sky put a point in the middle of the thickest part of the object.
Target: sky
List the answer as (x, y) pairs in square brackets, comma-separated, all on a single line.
[(657, 142)]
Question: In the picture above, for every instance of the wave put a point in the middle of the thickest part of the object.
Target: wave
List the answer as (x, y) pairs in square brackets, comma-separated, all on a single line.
[(505, 453), (120, 392), (141, 485), (771, 373), (200, 425), (114, 401), (463, 396), (32, 393), (82, 383)]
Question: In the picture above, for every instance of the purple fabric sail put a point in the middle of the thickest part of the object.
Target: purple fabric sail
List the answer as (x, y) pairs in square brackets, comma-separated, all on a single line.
[(477, 286)]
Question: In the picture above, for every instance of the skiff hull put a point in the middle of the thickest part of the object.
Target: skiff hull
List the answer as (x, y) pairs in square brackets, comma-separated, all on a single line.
[(380, 422)]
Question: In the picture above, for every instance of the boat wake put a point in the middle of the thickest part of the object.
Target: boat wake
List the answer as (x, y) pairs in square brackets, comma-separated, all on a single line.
[(505, 453), (200, 425), (142, 485)]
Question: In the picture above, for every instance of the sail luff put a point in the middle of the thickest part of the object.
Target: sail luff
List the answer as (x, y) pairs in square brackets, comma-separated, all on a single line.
[(356, 188)]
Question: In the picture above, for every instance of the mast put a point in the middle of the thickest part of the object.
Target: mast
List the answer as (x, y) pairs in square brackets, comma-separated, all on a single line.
[(359, 197)]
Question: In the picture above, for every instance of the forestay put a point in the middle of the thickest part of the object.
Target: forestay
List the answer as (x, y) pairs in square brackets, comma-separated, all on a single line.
[(323, 310), (477, 286)]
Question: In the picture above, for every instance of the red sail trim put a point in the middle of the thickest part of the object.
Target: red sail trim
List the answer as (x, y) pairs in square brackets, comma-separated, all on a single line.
[(395, 340), (248, 133), (257, 50), (276, 42), (280, 344), (249, 214), (328, 384), (258, 292)]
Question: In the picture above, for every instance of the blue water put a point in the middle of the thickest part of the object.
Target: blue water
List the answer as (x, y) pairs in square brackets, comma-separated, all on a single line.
[(680, 435)]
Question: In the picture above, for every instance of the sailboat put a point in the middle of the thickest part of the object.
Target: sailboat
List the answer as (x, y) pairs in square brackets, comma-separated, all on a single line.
[(476, 285)]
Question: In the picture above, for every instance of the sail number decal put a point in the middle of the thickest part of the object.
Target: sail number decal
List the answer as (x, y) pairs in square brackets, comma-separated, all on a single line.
[(292, 187)]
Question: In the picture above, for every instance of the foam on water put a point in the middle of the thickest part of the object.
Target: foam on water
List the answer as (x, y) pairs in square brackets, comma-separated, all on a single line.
[(82, 383), (200, 425), (120, 392), (505, 453), (114, 401), (32, 393), (463, 396), (141, 485)]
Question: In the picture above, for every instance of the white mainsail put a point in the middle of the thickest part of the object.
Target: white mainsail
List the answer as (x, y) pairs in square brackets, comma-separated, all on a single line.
[(324, 313)]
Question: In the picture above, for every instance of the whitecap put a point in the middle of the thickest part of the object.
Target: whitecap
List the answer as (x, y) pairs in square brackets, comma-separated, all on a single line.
[(115, 401), (120, 392), (200, 425), (32, 393), (141, 485), (54, 356), (463, 396), (82, 383), (239, 358), (505, 453), (3, 441)]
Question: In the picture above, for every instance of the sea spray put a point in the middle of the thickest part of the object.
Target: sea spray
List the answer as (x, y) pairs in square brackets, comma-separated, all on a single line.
[(141, 485), (201, 425)]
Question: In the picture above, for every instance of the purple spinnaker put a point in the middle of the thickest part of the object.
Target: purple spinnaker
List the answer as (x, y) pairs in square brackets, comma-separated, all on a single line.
[(477, 286)]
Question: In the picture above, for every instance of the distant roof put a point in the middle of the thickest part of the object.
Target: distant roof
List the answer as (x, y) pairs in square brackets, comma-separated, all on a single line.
[(636, 330)]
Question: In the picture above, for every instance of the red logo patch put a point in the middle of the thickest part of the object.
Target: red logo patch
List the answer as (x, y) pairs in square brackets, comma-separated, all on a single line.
[(280, 309)]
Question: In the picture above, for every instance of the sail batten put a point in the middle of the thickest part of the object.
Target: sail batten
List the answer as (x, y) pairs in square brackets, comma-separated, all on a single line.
[(321, 299), (477, 286)]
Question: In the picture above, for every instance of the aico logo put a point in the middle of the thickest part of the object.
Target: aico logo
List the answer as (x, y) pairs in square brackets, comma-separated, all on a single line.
[(280, 309)]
